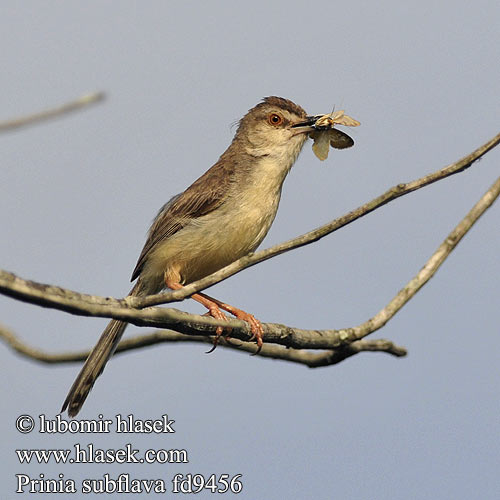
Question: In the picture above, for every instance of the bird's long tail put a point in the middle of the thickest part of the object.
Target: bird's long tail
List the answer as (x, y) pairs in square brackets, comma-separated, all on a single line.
[(96, 361)]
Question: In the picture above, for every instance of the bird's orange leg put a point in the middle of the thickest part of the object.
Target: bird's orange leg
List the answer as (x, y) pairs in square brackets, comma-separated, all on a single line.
[(214, 307), (213, 310), (255, 324)]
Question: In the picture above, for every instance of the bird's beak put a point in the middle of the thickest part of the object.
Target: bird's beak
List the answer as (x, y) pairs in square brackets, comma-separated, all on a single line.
[(307, 123)]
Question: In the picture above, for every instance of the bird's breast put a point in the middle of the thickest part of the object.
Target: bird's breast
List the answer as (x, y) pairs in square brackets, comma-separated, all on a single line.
[(235, 228)]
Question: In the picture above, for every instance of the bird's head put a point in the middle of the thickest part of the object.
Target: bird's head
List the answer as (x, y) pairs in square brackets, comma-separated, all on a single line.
[(275, 128)]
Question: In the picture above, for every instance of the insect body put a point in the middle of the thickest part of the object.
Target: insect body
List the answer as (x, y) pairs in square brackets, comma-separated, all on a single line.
[(325, 135)]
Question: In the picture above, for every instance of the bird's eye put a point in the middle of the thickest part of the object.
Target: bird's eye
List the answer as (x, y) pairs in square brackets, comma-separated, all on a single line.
[(275, 119)]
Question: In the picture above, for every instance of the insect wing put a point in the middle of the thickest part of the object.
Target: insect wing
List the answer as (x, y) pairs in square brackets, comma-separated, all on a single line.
[(337, 116), (338, 139), (347, 121), (321, 144)]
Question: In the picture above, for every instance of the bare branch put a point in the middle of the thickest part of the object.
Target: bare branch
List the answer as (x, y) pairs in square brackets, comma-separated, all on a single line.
[(54, 296), (332, 339), (312, 360), (49, 114), (429, 269)]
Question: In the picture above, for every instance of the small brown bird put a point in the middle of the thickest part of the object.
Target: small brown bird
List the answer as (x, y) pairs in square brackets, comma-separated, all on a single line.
[(222, 216)]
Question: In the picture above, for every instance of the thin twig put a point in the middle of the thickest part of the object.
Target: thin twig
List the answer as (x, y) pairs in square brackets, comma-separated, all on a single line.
[(48, 114)]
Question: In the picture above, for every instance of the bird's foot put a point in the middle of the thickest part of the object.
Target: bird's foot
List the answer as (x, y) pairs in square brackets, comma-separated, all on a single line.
[(218, 335), (215, 312), (214, 307), (255, 324)]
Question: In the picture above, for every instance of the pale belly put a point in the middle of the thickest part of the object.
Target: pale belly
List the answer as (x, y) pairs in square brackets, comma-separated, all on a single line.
[(212, 242)]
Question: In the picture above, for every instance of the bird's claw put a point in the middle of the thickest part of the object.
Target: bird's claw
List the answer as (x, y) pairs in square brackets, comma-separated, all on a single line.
[(214, 310), (255, 326)]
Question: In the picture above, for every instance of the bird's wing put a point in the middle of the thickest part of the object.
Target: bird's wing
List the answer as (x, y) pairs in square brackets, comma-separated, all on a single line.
[(194, 202)]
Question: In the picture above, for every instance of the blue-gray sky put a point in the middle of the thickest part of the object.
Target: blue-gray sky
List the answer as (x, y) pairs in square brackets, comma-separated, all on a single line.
[(77, 196)]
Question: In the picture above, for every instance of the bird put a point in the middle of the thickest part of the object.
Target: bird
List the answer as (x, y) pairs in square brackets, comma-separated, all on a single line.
[(222, 216)]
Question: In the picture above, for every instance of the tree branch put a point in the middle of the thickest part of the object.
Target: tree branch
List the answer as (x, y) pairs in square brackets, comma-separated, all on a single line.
[(48, 114), (312, 360)]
